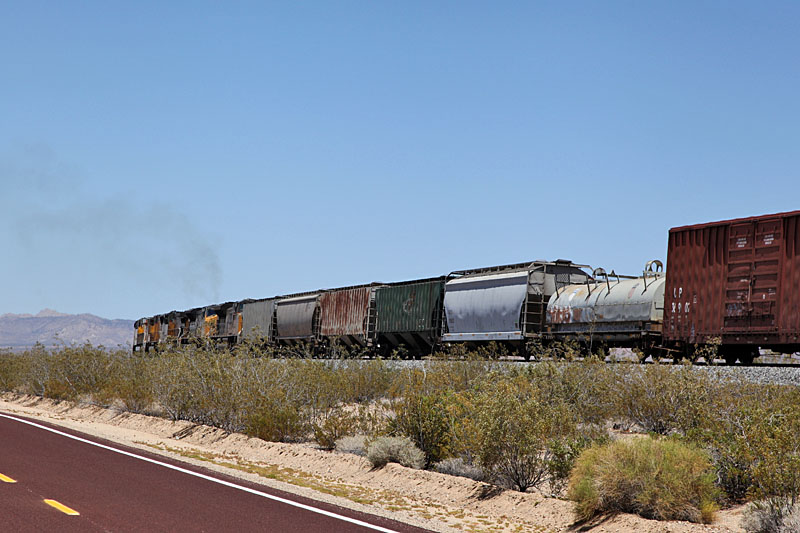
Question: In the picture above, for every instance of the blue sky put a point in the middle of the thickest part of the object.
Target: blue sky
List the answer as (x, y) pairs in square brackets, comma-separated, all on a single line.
[(165, 155)]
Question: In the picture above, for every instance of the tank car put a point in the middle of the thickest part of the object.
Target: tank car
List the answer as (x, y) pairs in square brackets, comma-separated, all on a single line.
[(611, 310)]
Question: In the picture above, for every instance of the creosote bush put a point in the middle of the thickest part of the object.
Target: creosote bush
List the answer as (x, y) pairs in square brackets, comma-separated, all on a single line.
[(659, 479), (423, 419), (334, 425), (399, 450)]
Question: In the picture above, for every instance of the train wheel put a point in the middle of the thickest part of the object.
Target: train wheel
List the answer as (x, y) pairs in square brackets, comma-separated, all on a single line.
[(749, 356)]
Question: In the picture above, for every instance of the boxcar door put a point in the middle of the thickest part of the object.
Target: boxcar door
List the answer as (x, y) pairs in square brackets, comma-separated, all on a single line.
[(752, 278)]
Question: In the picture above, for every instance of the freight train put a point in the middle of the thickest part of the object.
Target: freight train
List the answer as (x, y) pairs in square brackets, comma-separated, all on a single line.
[(732, 285)]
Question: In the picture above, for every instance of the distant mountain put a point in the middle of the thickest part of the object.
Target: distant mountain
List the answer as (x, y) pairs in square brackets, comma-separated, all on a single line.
[(53, 328)]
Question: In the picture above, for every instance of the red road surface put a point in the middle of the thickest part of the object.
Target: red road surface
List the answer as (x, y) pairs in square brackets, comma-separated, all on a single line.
[(115, 492)]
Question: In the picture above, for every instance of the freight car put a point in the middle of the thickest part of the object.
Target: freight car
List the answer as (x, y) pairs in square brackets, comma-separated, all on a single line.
[(409, 316), (735, 283), (732, 284), (612, 311), (505, 304)]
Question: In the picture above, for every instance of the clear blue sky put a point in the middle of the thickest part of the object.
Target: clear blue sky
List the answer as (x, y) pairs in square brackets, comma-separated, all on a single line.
[(165, 155)]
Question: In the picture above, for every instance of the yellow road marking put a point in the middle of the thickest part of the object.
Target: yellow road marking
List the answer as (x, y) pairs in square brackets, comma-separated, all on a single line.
[(7, 479), (61, 507)]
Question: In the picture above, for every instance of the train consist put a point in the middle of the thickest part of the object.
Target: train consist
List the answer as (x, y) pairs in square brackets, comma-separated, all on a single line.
[(732, 284)]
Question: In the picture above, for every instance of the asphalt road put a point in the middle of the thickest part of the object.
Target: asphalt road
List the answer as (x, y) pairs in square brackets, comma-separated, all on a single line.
[(114, 488)]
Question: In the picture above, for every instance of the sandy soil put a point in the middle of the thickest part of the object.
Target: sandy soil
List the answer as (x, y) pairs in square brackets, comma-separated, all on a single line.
[(428, 499)]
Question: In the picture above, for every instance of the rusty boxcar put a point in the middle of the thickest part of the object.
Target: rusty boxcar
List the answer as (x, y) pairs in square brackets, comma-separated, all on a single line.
[(735, 282)]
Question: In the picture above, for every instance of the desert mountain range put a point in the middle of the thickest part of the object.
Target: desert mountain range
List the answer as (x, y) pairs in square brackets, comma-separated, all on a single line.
[(53, 328)]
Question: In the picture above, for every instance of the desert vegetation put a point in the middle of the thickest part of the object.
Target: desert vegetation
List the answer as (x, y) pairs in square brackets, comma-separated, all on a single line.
[(666, 442)]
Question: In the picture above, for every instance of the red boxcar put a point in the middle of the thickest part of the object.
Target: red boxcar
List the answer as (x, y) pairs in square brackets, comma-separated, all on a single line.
[(737, 281)]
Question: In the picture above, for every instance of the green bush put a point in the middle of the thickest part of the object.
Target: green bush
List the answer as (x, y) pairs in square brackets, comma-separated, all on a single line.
[(655, 396), (751, 433), (131, 383), (423, 419), (12, 370), (563, 452), (658, 479), (334, 425), (400, 450), (276, 420), (514, 427)]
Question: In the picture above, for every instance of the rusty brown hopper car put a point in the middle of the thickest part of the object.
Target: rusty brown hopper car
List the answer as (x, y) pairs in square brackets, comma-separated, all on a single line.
[(348, 315), (736, 282)]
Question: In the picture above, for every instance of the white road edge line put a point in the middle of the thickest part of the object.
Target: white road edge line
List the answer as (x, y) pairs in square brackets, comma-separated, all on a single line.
[(209, 478)]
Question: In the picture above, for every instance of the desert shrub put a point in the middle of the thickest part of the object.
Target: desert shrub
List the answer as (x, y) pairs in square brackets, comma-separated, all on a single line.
[(514, 427), (654, 396), (441, 375), (173, 382), (658, 479), (423, 418), (564, 451), (364, 381), (334, 425), (773, 438), (457, 466), (773, 515), (791, 523), (566, 350), (12, 370), (276, 420), (66, 373), (400, 450), (708, 351), (131, 383), (356, 444), (582, 386), (721, 426), (751, 433)]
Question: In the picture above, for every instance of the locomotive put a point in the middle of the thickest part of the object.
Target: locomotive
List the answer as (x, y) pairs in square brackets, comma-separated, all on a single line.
[(730, 284)]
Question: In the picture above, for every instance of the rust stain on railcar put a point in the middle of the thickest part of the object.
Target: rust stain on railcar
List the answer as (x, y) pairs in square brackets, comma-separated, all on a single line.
[(345, 312)]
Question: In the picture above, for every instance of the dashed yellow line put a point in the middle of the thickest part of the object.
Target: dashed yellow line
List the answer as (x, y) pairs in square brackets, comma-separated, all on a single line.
[(6, 479), (61, 507)]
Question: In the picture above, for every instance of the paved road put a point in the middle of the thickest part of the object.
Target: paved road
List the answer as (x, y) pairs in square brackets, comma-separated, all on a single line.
[(138, 491)]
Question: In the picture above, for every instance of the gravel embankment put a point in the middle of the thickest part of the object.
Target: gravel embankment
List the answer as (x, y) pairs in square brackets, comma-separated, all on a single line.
[(757, 374)]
